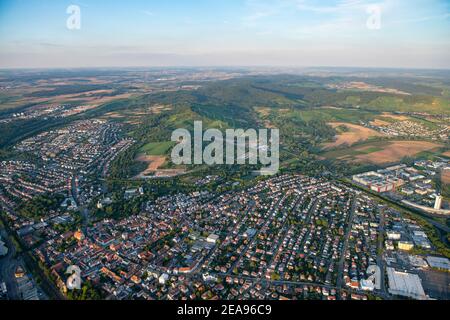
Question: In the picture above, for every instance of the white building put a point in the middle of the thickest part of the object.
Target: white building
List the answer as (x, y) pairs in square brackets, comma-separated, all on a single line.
[(393, 235), (439, 262), (438, 203), (212, 238), (163, 278), (405, 284), (208, 277), (367, 285), (373, 281)]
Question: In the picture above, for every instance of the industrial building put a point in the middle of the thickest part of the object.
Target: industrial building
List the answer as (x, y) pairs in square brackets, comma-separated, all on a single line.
[(405, 245), (393, 235), (378, 182), (405, 284), (439, 263), (438, 203)]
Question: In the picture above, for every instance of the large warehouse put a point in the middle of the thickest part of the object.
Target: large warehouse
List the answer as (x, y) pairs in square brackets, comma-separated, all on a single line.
[(405, 284)]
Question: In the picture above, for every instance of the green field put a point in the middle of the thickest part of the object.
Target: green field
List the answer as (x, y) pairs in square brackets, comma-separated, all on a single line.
[(329, 115), (157, 148)]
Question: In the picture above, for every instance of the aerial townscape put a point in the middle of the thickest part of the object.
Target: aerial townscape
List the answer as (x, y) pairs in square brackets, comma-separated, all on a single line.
[(334, 182), (354, 212)]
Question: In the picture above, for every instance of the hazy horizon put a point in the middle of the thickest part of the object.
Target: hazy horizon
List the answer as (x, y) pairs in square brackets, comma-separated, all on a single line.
[(236, 67), (237, 33)]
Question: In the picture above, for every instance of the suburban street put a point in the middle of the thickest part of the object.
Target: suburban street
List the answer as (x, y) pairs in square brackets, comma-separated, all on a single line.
[(344, 247), (380, 261)]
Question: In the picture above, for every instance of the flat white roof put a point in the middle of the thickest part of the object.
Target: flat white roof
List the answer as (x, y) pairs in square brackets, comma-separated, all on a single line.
[(438, 262), (406, 284)]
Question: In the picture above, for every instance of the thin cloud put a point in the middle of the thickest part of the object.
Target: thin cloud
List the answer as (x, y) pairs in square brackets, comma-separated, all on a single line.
[(148, 13), (257, 16), (421, 19)]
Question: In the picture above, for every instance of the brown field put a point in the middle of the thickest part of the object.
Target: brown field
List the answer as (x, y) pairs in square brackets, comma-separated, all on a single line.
[(154, 162), (135, 117), (446, 154), (268, 124), (133, 122), (85, 98), (445, 177), (360, 85), (395, 116), (96, 101), (395, 151), (262, 111), (379, 123), (114, 115), (355, 134), (158, 108)]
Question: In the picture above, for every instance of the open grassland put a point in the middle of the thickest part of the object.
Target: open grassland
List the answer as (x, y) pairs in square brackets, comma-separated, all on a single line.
[(355, 116), (353, 133), (433, 105), (382, 152), (331, 115), (157, 148)]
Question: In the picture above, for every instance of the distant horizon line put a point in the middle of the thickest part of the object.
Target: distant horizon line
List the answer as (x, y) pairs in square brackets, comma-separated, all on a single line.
[(225, 67)]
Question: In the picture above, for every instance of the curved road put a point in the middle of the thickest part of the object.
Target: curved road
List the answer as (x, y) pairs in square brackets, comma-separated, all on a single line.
[(8, 265)]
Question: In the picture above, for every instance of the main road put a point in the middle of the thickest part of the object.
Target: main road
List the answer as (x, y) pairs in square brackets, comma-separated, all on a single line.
[(380, 260), (8, 265), (340, 275)]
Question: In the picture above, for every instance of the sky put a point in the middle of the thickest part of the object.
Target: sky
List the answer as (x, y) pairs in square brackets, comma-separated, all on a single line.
[(291, 33)]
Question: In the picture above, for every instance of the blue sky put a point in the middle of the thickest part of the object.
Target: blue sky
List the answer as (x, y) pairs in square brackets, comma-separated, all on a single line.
[(412, 33)]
